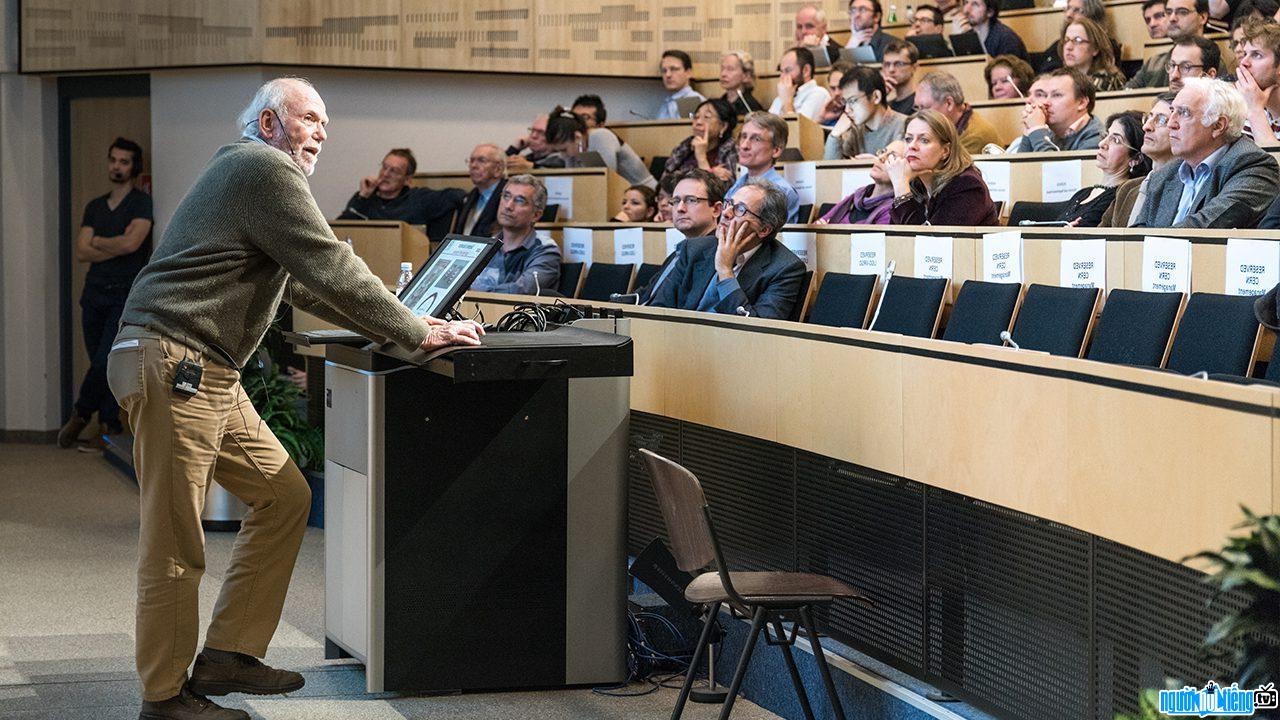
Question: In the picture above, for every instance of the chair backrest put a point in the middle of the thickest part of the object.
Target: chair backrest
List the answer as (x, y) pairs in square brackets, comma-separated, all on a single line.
[(550, 212), (1217, 334), (658, 165), (911, 306), (802, 298), (605, 279), (1135, 327), (681, 500), (982, 311), (1055, 319), (645, 274), (825, 208), (791, 155), (843, 300), (1036, 211), (570, 279)]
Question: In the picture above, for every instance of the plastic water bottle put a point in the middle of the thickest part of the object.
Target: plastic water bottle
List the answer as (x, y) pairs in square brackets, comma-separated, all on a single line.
[(893, 14), (911, 13), (406, 274)]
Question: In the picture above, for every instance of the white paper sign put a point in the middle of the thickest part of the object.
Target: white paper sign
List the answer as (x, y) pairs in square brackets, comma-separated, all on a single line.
[(866, 253), (996, 175), (803, 176), (851, 180), (1002, 257), (1059, 180), (1166, 264), (577, 245), (544, 236), (674, 238), (1253, 266), (560, 192), (1083, 264), (933, 256), (803, 244), (628, 246)]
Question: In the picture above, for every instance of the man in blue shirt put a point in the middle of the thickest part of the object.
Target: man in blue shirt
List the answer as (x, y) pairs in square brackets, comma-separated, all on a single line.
[(525, 265), (760, 144), (677, 70)]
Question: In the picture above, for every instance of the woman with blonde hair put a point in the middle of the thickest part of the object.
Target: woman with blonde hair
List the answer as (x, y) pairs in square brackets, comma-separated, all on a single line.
[(737, 78), (1084, 46), (935, 181)]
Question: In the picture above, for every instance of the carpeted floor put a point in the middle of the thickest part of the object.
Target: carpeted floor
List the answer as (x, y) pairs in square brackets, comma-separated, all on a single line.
[(68, 534)]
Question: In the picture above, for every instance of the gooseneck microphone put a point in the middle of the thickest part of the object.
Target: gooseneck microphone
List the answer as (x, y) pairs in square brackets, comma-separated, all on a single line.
[(1007, 339)]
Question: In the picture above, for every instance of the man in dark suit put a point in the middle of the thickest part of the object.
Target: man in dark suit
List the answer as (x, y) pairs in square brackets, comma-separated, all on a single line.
[(1220, 179), (479, 211), (864, 26), (742, 269)]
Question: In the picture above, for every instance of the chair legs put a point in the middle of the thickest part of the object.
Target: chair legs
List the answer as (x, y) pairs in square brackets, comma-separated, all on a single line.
[(809, 627), (710, 622), (785, 646), (757, 623)]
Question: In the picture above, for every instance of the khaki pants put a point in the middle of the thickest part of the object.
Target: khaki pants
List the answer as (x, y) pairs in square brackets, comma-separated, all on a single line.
[(181, 442)]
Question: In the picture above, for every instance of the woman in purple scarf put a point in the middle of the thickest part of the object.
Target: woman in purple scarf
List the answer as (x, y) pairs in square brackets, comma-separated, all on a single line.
[(868, 205)]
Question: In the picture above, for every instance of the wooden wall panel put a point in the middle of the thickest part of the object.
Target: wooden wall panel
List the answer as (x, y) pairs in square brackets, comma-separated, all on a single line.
[(57, 34), (495, 35), (201, 32), (357, 33), (617, 38)]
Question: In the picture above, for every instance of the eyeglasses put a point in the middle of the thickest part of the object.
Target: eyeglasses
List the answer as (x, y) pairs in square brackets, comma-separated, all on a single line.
[(1183, 67), (739, 209), (690, 200), (1156, 119), (537, 131), (1180, 12), (1075, 40), (852, 102), (895, 64)]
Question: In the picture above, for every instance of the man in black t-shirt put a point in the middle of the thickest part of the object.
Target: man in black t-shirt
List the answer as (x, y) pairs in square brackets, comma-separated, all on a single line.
[(115, 238), (387, 196)]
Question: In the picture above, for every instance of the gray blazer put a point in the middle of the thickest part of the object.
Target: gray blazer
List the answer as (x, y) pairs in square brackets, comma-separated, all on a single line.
[(1241, 185)]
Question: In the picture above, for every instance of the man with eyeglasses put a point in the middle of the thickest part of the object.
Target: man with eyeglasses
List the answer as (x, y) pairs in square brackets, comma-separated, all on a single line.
[(486, 166), (388, 196), (798, 92), (1192, 57), (760, 144), (1131, 195), (1256, 79), (864, 27), (811, 33), (742, 269), (531, 151), (928, 20), (1183, 19), (941, 91), (697, 199), (525, 264), (1221, 179), (899, 72)]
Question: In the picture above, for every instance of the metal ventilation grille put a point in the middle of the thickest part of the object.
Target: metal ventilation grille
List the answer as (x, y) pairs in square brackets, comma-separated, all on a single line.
[(1008, 608), (644, 519), (1151, 618), (750, 486), (867, 529)]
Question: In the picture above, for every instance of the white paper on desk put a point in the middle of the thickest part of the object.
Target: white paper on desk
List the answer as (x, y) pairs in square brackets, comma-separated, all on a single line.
[(578, 245), (851, 180), (1166, 264), (933, 256), (803, 176), (1253, 266), (866, 254), (803, 244), (628, 246), (996, 176), (1002, 257), (674, 238), (1083, 264), (1059, 180), (560, 192)]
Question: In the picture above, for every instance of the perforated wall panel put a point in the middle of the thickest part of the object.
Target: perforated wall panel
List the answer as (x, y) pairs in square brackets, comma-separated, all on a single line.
[(644, 519)]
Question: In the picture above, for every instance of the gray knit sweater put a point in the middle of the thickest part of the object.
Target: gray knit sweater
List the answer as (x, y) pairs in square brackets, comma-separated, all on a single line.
[(247, 235)]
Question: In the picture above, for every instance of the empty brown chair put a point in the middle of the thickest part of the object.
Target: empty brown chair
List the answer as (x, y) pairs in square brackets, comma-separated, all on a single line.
[(762, 596)]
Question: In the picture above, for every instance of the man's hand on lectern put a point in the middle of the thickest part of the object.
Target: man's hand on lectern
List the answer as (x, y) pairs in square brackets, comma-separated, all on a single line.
[(459, 332)]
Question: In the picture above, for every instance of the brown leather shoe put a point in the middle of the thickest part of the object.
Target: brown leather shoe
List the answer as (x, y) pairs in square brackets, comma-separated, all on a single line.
[(70, 432), (220, 672), (187, 705)]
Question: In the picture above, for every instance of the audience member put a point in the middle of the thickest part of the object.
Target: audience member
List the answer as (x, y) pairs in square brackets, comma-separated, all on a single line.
[(387, 196), (941, 91), (798, 92), (811, 33), (1256, 79), (666, 186), (677, 69), (928, 20), (530, 151), (711, 146), (587, 134), (760, 144), (1223, 180), (983, 18), (1120, 159), (737, 79), (742, 269), (935, 181), (1084, 46), (1190, 57), (1183, 19), (1132, 194), (1091, 9), (479, 211), (697, 198), (868, 124), (590, 110), (1008, 77), (899, 71), (525, 264), (639, 204), (864, 27), (1064, 119), (834, 108), (1153, 15), (869, 204)]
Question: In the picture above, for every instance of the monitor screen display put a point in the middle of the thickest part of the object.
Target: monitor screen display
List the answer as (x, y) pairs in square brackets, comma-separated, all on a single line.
[(447, 274)]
